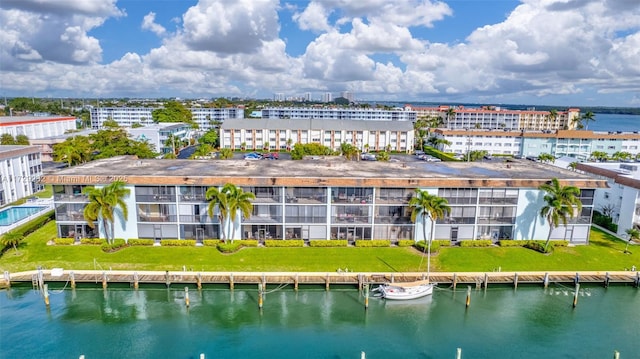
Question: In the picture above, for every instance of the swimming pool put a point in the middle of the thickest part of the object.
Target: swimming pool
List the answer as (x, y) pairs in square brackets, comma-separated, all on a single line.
[(11, 215)]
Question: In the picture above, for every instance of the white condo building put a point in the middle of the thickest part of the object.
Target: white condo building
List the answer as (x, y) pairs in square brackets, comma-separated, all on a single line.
[(338, 113), (496, 118), (36, 126), (205, 117), (280, 134), (20, 172), (622, 198)]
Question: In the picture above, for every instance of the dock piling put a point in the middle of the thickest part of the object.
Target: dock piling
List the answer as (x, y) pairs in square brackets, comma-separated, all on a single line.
[(366, 296), (199, 280), (45, 291), (72, 280), (186, 296), (104, 280), (575, 296), (606, 280), (486, 280), (260, 290), (616, 354), (136, 280), (166, 278), (545, 282), (459, 353), (327, 283), (515, 280), (295, 282), (576, 280), (468, 302), (455, 280), (231, 281), (637, 281), (7, 278)]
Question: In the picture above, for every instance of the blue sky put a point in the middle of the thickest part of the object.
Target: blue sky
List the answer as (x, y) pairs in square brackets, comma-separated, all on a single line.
[(555, 52)]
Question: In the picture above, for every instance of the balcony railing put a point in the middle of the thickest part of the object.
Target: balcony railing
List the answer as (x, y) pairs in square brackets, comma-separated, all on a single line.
[(155, 197), (197, 198), (197, 218), (62, 197), (305, 219), (156, 217), (350, 219)]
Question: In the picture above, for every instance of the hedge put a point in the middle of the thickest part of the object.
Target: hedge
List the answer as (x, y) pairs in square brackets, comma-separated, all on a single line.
[(405, 242), (35, 224), (117, 244), (63, 241), (178, 242), (92, 241), (373, 243), (329, 243), (140, 242), (229, 247), (477, 243), (248, 242), (284, 243), (211, 242), (422, 246), (511, 243)]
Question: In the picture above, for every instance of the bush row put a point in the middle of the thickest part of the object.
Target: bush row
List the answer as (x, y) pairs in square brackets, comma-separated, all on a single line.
[(281, 243), (329, 243), (373, 243), (477, 243)]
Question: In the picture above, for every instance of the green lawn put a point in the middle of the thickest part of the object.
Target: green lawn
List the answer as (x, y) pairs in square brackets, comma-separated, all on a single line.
[(604, 253)]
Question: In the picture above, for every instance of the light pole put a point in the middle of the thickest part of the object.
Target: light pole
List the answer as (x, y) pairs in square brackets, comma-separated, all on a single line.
[(469, 149)]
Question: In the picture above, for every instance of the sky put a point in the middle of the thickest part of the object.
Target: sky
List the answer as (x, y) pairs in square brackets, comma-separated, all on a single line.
[(538, 52)]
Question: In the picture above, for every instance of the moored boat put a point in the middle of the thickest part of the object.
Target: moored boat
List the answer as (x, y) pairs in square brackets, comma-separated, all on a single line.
[(405, 291)]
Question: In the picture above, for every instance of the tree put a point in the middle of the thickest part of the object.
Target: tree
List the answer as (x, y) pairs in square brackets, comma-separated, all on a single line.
[(572, 166), (173, 111), (476, 155), (546, 158), (103, 204), (226, 153), (382, 156), (227, 201), (588, 117), (599, 156), (560, 202), (174, 143), (634, 235), (210, 137), (74, 150), (553, 115), (348, 150), (7, 139), (451, 114), (22, 140), (11, 239), (426, 205), (621, 156)]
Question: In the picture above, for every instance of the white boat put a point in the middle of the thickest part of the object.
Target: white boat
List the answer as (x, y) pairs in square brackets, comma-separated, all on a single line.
[(405, 291)]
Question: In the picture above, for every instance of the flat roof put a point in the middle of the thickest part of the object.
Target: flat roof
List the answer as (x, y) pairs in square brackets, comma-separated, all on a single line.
[(575, 134), (624, 173), (11, 151), (22, 120), (332, 171)]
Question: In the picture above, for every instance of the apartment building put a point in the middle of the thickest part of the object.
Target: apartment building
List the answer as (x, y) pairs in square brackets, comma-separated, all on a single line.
[(280, 134), (338, 113), (20, 172), (318, 199), (36, 126), (573, 143), (206, 118)]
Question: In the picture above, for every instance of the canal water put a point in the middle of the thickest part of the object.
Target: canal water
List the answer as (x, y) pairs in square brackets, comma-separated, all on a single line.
[(501, 322)]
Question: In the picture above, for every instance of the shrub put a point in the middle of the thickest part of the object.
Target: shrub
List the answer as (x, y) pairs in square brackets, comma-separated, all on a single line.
[(140, 242), (511, 243), (373, 243), (35, 224), (442, 242), (538, 246), (405, 242), (422, 246), (281, 243), (477, 243), (604, 221), (329, 243), (229, 247), (63, 241), (117, 244), (94, 241), (178, 242), (211, 242), (248, 242)]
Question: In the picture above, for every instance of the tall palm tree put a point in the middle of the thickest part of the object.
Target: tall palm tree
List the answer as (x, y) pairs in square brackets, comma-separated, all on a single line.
[(451, 114), (588, 117), (553, 114), (239, 200), (103, 204), (426, 205), (229, 200), (560, 202)]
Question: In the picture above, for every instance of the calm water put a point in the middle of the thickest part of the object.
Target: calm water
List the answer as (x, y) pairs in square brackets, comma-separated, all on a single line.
[(154, 323), (12, 215), (606, 122)]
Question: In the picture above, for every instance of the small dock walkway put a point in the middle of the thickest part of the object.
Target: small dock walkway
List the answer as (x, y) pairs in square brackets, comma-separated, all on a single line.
[(356, 279)]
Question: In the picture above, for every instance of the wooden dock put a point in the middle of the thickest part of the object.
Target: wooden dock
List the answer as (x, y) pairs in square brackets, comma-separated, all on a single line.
[(356, 279)]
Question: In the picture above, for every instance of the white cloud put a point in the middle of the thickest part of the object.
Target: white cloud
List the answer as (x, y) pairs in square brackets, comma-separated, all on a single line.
[(149, 23), (542, 48)]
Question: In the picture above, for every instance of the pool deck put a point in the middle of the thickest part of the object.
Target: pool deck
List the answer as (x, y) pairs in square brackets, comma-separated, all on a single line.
[(46, 203), (357, 279)]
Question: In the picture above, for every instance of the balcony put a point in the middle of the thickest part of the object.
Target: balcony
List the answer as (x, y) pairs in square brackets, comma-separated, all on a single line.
[(155, 197), (156, 217)]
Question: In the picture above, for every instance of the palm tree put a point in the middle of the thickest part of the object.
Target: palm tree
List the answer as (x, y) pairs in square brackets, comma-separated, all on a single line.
[(426, 205), (451, 114), (634, 235), (599, 155), (546, 158), (228, 201), (553, 114), (239, 200), (11, 239), (588, 117), (572, 166), (102, 206), (560, 202)]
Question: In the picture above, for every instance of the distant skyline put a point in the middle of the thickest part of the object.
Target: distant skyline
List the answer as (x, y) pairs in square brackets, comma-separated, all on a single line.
[(537, 52)]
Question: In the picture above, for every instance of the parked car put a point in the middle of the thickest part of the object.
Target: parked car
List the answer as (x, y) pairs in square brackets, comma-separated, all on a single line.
[(253, 156), (368, 157), (418, 153), (270, 156)]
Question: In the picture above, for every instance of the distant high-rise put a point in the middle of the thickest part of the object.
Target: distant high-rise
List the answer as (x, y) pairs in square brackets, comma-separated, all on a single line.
[(327, 97), (278, 96), (307, 96), (348, 95)]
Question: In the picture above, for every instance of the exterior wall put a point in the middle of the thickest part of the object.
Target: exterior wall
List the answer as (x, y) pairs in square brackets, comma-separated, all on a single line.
[(279, 139), (311, 213), (338, 114), (35, 128), (20, 172), (157, 135), (629, 215), (127, 116)]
